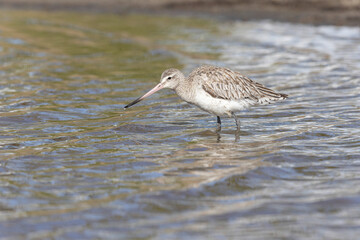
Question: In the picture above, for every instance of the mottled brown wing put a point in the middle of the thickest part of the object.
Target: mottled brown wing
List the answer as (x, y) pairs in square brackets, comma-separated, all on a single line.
[(223, 83)]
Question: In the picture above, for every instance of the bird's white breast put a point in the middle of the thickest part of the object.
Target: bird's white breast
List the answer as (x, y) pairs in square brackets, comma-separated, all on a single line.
[(217, 106)]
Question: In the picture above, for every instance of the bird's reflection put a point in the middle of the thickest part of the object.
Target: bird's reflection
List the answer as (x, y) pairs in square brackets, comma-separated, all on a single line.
[(202, 163)]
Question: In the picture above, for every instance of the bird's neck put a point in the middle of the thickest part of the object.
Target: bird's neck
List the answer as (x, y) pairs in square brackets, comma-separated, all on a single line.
[(185, 91)]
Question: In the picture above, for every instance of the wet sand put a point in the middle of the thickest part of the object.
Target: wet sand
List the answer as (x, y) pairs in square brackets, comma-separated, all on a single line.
[(333, 12)]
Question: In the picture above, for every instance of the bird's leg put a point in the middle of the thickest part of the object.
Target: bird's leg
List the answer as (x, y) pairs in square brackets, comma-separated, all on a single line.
[(237, 133), (237, 121), (218, 125)]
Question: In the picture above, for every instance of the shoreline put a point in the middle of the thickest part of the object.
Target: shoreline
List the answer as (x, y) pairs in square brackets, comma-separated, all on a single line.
[(315, 12)]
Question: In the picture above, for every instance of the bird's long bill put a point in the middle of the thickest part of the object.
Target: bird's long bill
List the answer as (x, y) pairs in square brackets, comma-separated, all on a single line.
[(154, 90)]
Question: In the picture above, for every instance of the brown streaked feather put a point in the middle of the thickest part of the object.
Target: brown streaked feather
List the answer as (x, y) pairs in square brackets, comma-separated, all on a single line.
[(226, 84)]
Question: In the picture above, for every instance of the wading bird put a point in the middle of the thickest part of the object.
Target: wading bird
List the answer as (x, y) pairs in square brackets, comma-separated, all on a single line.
[(216, 90)]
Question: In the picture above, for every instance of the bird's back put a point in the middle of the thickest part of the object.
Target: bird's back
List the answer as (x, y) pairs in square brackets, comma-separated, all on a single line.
[(223, 83)]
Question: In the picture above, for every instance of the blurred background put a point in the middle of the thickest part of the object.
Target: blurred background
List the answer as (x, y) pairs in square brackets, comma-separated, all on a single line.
[(337, 12), (75, 165)]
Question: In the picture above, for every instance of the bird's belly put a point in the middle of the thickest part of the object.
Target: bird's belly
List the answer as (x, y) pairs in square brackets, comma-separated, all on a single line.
[(219, 107)]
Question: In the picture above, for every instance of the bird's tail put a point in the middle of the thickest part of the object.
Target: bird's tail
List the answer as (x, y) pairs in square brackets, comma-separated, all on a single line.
[(283, 96), (271, 98)]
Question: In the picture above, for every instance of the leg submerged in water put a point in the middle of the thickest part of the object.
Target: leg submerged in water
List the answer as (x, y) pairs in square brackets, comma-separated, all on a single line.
[(218, 125), (237, 133), (237, 121)]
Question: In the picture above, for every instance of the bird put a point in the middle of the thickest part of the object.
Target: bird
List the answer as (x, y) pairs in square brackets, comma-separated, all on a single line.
[(217, 90)]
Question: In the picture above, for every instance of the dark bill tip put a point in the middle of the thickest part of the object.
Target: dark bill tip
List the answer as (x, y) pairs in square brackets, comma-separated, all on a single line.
[(133, 102)]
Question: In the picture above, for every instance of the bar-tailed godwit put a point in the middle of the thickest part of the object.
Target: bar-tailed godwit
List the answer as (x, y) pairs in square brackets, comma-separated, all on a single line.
[(216, 90)]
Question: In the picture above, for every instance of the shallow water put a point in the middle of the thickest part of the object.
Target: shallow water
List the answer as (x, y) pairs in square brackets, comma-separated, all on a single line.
[(75, 165)]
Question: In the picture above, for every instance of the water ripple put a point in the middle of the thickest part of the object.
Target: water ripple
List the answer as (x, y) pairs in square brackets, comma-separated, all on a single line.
[(74, 164)]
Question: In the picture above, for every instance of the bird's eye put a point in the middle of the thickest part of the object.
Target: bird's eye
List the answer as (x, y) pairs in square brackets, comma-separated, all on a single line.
[(168, 78)]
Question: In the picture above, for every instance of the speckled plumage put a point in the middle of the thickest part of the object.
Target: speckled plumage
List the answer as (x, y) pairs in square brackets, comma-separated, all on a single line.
[(219, 91), (224, 83)]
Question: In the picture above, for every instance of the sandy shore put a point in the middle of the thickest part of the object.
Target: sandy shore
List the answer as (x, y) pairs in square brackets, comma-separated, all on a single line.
[(334, 12)]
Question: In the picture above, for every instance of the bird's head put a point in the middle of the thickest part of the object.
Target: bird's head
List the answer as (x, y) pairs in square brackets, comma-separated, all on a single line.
[(171, 78)]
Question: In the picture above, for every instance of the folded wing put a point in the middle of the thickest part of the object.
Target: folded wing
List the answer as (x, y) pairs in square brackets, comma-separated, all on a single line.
[(226, 84)]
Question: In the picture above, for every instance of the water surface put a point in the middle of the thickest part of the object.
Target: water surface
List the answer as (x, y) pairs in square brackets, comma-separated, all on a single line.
[(75, 165)]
